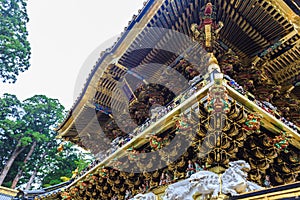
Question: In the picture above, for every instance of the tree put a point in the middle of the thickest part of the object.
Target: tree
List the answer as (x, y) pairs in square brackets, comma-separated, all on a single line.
[(14, 46), (26, 126), (29, 154), (10, 130)]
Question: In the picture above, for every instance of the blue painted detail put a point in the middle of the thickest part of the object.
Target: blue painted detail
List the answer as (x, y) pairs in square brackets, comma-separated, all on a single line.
[(223, 45), (146, 8), (270, 49), (129, 95), (135, 75), (102, 109)]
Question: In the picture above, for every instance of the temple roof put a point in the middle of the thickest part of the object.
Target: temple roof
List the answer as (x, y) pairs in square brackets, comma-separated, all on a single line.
[(258, 51), (264, 35)]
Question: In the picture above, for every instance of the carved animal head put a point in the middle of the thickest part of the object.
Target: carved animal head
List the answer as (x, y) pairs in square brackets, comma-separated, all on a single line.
[(241, 165)]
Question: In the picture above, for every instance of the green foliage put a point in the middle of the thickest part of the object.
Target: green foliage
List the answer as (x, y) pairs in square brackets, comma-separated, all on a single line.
[(25, 141), (61, 165), (10, 107), (23, 124), (82, 163), (14, 46), (52, 182), (7, 184), (10, 124)]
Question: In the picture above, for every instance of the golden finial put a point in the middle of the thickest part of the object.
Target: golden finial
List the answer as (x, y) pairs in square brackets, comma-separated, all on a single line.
[(212, 59), (213, 64)]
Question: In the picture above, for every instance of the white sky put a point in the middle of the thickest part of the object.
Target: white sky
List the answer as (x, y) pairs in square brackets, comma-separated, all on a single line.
[(62, 34)]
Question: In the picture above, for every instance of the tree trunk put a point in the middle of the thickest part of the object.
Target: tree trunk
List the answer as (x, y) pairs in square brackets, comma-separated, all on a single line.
[(32, 177), (10, 162), (20, 172)]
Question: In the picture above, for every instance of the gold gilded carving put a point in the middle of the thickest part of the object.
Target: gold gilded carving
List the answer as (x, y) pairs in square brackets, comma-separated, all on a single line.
[(227, 123), (234, 110), (285, 168), (147, 175), (271, 153), (294, 157), (181, 163), (153, 183), (137, 182), (263, 164), (278, 178), (242, 116), (234, 130), (258, 152), (155, 174)]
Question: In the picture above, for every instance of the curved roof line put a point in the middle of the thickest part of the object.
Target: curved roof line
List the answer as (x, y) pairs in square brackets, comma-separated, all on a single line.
[(147, 7)]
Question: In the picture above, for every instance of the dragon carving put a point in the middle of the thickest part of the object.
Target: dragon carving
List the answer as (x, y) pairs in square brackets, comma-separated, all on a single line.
[(148, 196), (233, 181)]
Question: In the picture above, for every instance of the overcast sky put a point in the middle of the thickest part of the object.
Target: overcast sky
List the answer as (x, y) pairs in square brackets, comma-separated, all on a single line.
[(62, 34)]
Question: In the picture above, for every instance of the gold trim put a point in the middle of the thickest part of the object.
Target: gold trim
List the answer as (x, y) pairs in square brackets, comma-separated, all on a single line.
[(270, 122), (8, 191), (141, 138), (159, 190), (286, 12), (294, 192)]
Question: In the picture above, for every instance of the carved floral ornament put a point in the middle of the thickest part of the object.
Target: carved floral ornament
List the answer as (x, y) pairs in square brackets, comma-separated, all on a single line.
[(157, 143), (253, 122), (281, 142), (182, 124)]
